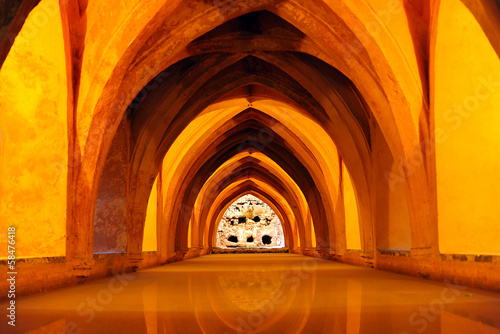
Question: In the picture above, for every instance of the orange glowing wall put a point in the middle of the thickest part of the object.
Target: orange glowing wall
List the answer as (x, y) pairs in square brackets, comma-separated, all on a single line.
[(353, 240), (149, 241), (466, 102), (34, 148)]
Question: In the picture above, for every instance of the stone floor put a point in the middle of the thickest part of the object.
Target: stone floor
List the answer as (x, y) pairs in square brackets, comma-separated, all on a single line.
[(259, 293)]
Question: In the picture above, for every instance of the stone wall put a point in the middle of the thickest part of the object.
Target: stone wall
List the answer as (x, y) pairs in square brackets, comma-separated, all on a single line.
[(251, 223)]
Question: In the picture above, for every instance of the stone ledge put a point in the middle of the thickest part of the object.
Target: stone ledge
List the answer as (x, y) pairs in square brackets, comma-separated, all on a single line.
[(108, 255), (394, 252), (37, 260), (470, 258), (150, 253)]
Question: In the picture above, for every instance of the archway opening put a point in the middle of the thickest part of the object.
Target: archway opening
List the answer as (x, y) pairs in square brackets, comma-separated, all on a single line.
[(250, 223)]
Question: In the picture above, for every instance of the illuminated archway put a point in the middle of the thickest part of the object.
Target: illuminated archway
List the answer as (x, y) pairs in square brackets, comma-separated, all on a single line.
[(401, 140)]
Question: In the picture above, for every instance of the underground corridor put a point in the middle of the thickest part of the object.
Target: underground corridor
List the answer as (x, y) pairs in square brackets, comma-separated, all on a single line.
[(260, 166)]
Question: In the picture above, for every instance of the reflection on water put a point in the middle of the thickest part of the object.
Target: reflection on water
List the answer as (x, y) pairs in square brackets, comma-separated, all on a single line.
[(247, 291), (260, 293)]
